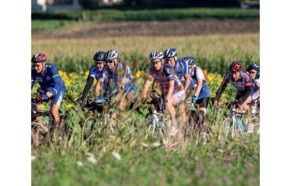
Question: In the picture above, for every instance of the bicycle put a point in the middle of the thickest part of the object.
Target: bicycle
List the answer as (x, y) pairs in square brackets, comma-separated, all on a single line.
[(155, 125), (197, 123), (100, 120), (236, 124), (39, 132)]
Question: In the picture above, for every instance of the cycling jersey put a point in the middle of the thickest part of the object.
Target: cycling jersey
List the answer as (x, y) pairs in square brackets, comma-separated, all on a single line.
[(95, 73), (117, 75), (163, 76), (49, 80), (243, 85), (181, 68), (195, 75)]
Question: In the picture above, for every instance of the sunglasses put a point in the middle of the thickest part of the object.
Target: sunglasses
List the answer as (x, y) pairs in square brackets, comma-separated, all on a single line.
[(252, 72), (155, 62), (110, 61), (35, 65)]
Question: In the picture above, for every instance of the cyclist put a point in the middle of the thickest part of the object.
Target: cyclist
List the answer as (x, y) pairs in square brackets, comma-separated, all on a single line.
[(119, 77), (180, 66), (254, 70), (201, 93), (97, 71), (52, 88), (164, 75), (239, 79)]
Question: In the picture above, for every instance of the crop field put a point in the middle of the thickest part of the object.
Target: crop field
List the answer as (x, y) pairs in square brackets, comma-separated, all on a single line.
[(125, 157)]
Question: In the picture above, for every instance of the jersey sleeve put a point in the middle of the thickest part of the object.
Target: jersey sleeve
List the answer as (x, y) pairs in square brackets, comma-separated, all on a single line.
[(58, 82)]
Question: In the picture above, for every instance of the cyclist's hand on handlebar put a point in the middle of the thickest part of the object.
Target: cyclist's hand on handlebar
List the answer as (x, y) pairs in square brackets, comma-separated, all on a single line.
[(216, 103), (194, 99)]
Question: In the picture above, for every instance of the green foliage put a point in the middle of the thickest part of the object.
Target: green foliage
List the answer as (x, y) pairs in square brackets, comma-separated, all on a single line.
[(147, 15)]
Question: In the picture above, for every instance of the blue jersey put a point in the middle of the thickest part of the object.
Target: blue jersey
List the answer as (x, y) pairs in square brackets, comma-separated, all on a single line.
[(95, 73), (195, 75), (49, 80), (181, 68), (118, 74)]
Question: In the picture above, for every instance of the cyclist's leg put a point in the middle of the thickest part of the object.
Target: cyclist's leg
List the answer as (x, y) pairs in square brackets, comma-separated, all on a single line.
[(175, 99), (204, 126), (55, 104)]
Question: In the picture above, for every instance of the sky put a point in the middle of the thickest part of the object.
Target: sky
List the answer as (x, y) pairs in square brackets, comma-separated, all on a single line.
[(279, 48)]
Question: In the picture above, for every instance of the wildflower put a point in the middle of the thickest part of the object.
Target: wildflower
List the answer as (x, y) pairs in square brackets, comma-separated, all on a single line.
[(156, 144), (138, 73), (79, 163), (116, 155)]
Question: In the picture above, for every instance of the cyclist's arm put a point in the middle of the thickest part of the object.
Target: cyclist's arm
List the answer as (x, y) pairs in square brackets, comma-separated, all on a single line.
[(198, 88), (146, 87), (221, 88), (98, 87), (58, 82), (88, 85), (187, 81), (171, 89)]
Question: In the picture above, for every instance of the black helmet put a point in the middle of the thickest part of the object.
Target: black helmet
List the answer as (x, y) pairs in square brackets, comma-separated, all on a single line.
[(38, 58), (99, 56), (255, 67)]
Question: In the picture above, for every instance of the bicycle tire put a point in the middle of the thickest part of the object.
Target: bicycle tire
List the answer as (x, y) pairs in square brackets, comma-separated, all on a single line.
[(224, 131), (89, 126)]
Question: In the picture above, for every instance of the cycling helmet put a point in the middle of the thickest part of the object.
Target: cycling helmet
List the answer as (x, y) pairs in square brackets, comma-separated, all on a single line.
[(156, 55), (38, 58), (111, 55), (236, 66), (255, 67), (170, 52), (99, 56), (189, 60)]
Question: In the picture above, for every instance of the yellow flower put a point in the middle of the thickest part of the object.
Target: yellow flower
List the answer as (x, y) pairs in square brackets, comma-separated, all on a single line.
[(67, 83), (138, 73), (68, 107), (73, 75), (210, 76), (43, 107)]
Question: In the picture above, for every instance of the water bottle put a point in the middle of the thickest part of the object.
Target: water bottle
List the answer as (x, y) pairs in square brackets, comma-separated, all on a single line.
[(160, 124), (240, 124)]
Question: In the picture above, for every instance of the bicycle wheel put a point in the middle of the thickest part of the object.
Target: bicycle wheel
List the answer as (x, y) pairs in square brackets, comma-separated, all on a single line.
[(238, 129), (89, 126), (225, 130)]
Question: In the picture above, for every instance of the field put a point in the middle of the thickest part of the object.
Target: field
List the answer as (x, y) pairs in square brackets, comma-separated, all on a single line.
[(126, 158)]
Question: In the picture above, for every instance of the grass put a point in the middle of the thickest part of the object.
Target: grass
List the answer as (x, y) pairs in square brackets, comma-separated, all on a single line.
[(141, 161)]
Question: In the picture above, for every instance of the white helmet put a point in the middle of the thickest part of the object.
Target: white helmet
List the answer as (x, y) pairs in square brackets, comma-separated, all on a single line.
[(156, 55), (111, 55)]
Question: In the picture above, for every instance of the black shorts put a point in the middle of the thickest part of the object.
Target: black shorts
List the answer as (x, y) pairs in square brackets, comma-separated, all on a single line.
[(203, 102)]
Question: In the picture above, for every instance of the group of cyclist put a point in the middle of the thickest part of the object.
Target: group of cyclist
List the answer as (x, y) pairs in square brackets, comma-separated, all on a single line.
[(174, 76)]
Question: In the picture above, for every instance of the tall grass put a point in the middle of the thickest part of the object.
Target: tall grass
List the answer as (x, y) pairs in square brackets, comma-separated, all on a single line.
[(213, 53)]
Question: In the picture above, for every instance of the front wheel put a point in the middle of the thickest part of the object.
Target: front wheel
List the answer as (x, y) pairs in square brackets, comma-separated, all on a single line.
[(88, 128), (225, 130)]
